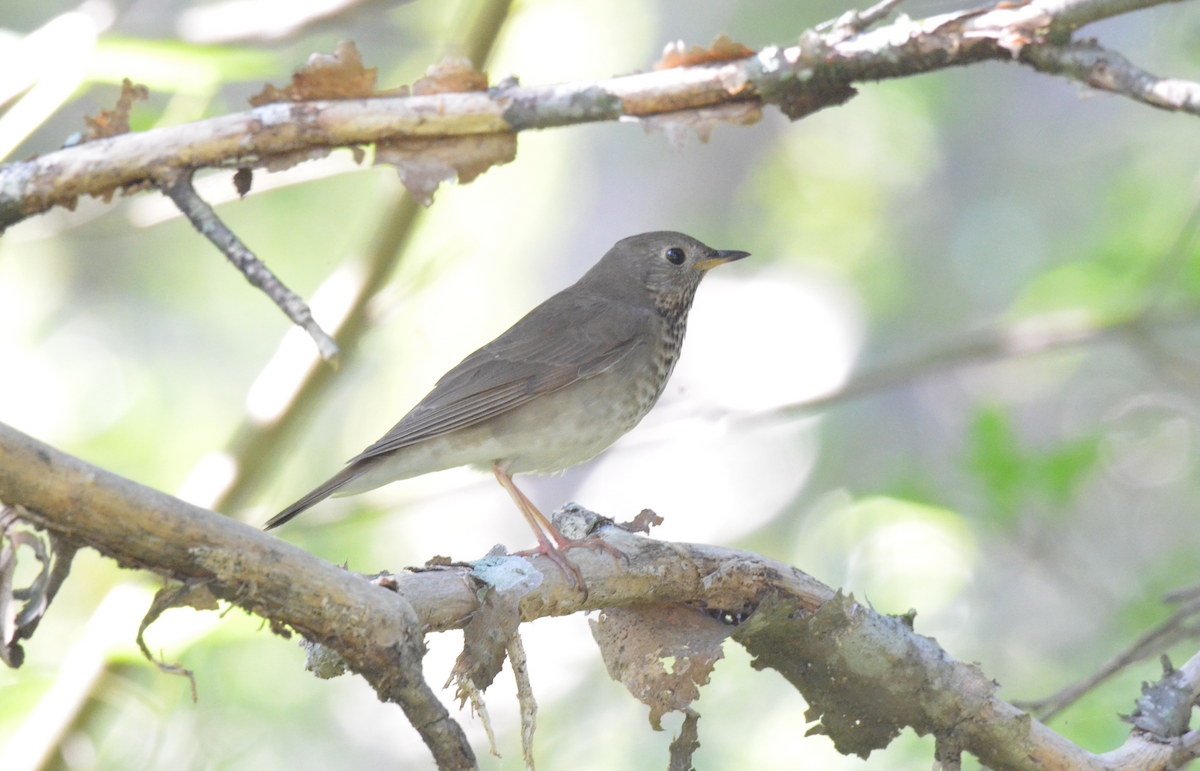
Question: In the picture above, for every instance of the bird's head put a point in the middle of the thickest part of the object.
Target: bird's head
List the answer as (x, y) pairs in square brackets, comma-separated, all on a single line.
[(661, 269)]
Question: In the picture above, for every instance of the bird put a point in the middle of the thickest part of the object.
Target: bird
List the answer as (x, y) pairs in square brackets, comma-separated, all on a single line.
[(554, 390)]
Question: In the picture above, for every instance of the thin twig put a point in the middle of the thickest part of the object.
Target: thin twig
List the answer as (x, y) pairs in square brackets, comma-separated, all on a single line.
[(1035, 335), (254, 448), (178, 187), (1147, 646), (1182, 595), (1090, 63), (1070, 15), (853, 22), (255, 445)]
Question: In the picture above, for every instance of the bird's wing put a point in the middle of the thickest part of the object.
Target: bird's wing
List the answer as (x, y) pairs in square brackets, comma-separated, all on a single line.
[(535, 356)]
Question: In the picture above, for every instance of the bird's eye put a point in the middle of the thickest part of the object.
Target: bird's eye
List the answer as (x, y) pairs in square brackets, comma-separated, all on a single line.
[(675, 255)]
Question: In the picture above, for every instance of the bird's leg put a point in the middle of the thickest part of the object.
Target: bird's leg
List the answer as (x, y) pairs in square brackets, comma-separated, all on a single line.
[(535, 517), (536, 521), (565, 543)]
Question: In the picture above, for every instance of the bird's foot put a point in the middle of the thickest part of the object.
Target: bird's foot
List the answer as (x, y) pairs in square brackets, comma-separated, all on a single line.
[(596, 543), (558, 556)]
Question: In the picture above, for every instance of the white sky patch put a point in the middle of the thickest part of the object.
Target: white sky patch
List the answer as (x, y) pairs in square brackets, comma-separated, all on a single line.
[(210, 478), (279, 381), (752, 344)]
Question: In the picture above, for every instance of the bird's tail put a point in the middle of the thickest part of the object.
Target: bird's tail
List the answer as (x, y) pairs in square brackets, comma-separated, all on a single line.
[(332, 485)]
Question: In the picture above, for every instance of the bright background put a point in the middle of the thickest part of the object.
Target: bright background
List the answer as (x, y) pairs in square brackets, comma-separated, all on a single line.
[(1033, 509)]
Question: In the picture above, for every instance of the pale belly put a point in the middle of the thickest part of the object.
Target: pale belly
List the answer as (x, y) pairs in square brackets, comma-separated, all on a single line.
[(552, 433)]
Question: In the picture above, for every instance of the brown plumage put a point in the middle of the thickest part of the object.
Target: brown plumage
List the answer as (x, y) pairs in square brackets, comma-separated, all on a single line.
[(561, 385)]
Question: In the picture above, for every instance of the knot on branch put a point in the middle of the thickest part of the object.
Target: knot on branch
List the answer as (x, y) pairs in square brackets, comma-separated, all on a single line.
[(1165, 707)]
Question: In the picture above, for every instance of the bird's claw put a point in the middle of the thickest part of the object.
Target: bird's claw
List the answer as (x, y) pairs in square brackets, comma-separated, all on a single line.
[(597, 543), (558, 556)]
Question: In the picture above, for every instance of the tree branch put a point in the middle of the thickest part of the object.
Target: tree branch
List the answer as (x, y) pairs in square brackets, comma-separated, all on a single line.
[(1090, 63), (855, 667), (144, 528), (817, 73), (377, 631), (1070, 15)]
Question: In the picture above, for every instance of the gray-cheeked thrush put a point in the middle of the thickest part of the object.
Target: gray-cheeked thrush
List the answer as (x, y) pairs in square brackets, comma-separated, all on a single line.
[(560, 386)]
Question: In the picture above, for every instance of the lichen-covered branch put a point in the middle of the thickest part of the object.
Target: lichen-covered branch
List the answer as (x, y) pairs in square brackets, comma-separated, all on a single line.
[(378, 632), (1090, 63), (817, 73), (864, 675), (144, 528)]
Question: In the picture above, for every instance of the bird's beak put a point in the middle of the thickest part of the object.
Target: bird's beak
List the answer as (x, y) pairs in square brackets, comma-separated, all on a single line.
[(728, 255)]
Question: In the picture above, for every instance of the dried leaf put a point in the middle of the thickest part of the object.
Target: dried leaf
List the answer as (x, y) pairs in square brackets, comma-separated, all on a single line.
[(10, 653), (1164, 708), (386, 580), (242, 179), (282, 161), (722, 50), (451, 75), (189, 594), (16, 625), (676, 124), (645, 519), (340, 75), (635, 641), (424, 163), (116, 121), (486, 637), (199, 598)]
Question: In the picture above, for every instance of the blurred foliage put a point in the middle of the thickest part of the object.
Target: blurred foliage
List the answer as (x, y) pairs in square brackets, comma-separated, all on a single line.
[(1032, 510), (170, 65), (1013, 475), (823, 192)]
